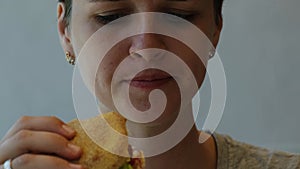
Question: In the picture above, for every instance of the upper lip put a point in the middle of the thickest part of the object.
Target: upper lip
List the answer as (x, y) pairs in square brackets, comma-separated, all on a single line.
[(150, 75)]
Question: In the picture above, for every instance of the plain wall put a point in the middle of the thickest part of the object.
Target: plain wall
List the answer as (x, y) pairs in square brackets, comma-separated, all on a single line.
[(259, 49)]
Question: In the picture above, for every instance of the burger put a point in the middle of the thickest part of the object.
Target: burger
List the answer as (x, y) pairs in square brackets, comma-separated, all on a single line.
[(94, 156)]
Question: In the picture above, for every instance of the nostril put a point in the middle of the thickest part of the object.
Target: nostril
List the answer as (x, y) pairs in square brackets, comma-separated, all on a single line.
[(135, 54), (150, 54)]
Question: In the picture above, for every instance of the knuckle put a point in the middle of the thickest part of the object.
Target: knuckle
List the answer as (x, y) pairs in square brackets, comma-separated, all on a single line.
[(23, 135), (23, 120), (23, 160)]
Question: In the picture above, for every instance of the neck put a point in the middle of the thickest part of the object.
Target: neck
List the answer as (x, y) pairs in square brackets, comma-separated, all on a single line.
[(187, 154)]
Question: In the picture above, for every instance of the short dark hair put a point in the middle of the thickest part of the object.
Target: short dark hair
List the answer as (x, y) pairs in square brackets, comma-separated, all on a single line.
[(218, 4), (68, 9)]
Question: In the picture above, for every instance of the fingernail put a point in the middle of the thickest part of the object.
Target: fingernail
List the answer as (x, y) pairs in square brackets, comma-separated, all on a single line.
[(74, 148), (76, 166), (68, 129)]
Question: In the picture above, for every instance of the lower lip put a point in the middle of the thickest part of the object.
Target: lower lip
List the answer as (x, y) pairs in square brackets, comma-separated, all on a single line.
[(143, 84)]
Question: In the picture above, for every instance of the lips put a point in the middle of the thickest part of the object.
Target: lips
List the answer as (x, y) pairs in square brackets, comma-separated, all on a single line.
[(150, 79)]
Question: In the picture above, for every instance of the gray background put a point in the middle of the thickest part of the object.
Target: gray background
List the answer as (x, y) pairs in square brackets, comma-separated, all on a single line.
[(259, 49)]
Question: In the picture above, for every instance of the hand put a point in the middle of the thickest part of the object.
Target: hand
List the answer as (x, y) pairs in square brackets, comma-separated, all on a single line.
[(39, 143)]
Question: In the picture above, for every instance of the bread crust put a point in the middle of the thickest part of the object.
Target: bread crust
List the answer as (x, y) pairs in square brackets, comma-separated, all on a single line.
[(94, 156)]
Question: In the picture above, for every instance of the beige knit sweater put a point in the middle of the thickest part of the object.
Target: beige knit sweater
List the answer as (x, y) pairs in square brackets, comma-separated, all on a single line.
[(237, 155)]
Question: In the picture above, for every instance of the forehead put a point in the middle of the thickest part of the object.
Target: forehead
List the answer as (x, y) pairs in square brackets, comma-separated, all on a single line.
[(146, 1), (148, 4)]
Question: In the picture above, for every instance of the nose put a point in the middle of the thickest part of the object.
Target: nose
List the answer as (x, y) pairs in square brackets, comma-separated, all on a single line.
[(146, 41)]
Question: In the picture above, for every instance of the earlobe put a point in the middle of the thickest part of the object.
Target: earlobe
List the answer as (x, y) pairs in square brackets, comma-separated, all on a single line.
[(63, 30)]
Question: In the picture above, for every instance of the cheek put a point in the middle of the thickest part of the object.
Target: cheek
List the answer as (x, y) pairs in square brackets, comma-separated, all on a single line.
[(82, 26), (196, 65), (206, 22), (105, 73), (103, 84), (79, 36)]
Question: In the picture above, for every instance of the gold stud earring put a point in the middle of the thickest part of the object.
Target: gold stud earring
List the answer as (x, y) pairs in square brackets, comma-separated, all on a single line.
[(70, 58)]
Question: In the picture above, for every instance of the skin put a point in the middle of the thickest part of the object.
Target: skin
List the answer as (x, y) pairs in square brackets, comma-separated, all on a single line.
[(31, 138), (45, 140)]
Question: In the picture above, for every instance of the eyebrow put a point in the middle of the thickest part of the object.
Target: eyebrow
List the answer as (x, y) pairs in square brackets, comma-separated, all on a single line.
[(93, 1), (103, 0)]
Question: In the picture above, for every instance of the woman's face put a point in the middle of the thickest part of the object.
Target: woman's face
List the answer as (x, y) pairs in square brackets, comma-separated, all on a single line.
[(90, 15)]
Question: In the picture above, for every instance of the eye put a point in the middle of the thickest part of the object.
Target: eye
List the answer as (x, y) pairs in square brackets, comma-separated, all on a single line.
[(185, 16), (105, 19)]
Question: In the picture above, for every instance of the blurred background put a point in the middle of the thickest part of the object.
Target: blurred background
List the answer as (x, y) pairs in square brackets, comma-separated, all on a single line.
[(259, 49)]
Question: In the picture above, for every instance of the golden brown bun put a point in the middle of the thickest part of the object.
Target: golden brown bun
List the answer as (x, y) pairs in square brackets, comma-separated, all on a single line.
[(94, 157)]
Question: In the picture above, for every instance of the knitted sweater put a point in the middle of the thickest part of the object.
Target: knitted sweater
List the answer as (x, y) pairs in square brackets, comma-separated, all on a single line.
[(237, 155)]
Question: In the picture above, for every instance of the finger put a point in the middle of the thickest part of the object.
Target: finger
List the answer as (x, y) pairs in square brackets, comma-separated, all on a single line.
[(50, 124), (38, 142), (31, 161)]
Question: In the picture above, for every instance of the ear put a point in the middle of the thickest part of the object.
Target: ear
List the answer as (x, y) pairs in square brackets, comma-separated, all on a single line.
[(217, 33), (64, 30)]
